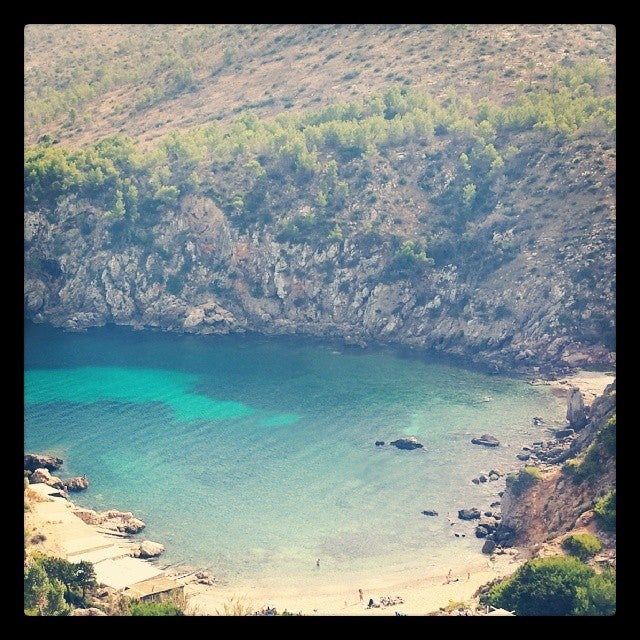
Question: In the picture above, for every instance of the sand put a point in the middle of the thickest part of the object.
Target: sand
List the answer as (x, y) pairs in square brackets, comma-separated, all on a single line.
[(422, 592)]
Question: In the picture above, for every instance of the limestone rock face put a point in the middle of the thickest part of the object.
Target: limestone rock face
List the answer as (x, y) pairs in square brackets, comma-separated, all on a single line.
[(555, 504), (197, 271)]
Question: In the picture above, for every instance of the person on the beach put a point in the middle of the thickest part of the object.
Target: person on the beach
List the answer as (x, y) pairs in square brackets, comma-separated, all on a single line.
[(318, 562), (360, 594)]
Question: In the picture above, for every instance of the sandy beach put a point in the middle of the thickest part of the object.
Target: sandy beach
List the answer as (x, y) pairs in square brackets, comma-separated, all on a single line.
[(422, 592)]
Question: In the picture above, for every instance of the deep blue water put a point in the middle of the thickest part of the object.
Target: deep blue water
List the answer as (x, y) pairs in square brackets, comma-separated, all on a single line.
[(254, 456)]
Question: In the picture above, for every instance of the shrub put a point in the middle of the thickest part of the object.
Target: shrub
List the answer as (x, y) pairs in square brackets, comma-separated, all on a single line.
[(410, 261), (554, 586), (607, 435), (519, 482), (589, 468), (598, 597), (167, 608), (606, 511), (582, 545)]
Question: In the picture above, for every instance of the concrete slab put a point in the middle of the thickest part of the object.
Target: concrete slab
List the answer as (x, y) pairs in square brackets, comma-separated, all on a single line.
[(124, 572)]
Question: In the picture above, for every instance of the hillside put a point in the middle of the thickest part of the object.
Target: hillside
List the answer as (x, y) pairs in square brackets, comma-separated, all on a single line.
[(442, 187), (144, 81)]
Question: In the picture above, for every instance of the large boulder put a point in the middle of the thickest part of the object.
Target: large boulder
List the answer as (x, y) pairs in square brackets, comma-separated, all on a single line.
[(469, 514), (148, 549), (576, 413), (42, 476)]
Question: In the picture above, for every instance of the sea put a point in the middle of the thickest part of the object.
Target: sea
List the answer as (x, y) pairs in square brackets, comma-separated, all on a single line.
[(255, 459)]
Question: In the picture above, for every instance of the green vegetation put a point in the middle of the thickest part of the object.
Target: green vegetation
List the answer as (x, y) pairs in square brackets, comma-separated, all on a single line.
[(315, 177), (582, 545), (410, 261), (43, 595), (165, 608), (53, 585), (603, 447), (556, 586), (519, 482), (605, 510)]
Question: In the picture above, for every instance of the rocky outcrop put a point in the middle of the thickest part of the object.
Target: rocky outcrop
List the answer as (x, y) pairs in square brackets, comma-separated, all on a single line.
[(576, 413), (119, 521), (78, 483), (33, 461), (91, 611), (43, 476)]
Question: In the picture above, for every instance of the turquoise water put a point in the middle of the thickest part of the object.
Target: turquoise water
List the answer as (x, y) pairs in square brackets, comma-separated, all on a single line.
[(253, 457)]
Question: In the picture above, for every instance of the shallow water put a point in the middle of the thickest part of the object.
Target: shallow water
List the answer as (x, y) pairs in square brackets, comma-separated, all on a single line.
[(254, 457)]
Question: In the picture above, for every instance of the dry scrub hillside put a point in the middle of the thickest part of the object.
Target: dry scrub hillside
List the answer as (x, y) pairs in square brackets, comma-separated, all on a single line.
[(85, 82)]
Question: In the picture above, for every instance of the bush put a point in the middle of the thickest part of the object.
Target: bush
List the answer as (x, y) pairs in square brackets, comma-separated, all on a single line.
[(598, 597), (555, 586), (606, 511), (519, 482), (582, 545), (607, 435), (167, 608)]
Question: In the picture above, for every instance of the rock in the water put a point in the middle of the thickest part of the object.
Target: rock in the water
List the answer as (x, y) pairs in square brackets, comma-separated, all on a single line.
[(469, 514), (429, 512), (33, 461), (486, 440), (78, 483), (407, 443)]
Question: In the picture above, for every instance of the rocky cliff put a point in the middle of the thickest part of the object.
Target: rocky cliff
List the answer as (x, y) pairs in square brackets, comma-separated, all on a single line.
[(561, 501), (530, 291)]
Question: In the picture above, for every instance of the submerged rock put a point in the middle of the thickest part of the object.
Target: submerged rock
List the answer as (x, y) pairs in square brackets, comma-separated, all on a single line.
[(407, 443), (486, 440)]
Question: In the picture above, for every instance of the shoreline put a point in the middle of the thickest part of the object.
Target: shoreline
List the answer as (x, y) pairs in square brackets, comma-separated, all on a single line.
[(423, 592)]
